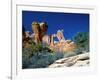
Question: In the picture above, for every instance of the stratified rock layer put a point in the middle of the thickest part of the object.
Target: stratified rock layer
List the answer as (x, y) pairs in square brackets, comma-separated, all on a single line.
[(78, 60)]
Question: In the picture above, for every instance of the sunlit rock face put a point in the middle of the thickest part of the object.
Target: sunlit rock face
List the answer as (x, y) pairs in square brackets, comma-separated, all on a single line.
[(44, 28), (73, 61), (62, 45), (40, 35), (46, 39), (40, 30), (60, 35), (36, 30)]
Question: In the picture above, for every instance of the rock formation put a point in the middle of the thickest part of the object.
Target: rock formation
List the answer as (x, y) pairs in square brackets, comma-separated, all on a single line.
[(25, 38), (60, 35), (62, 45), (40, 35), (43, 28), (37, 34), (78, 60)]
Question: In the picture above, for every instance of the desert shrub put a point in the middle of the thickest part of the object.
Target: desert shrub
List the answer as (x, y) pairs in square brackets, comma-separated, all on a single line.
[(38, 56), (82, 42)]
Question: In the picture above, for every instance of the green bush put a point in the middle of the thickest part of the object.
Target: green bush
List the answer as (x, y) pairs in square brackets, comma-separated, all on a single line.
[(38, 56), (82, 42)]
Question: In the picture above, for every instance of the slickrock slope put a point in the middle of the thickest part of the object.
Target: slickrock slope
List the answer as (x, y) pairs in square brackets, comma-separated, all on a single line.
[(78, 60)]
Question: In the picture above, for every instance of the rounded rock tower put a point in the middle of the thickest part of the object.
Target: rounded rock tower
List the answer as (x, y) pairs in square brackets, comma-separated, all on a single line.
[(37, 32)]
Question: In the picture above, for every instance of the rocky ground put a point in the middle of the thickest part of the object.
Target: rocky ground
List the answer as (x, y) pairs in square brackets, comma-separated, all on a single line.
[(77, 60)]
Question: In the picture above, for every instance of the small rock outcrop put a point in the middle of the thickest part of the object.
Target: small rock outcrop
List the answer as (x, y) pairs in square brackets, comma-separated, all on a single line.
[(78, 60)]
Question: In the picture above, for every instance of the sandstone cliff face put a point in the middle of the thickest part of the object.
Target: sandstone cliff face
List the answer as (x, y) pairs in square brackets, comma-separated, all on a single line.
[(78, 60)]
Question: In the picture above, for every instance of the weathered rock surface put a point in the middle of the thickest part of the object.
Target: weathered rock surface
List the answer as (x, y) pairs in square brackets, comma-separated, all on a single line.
[(78, 60)]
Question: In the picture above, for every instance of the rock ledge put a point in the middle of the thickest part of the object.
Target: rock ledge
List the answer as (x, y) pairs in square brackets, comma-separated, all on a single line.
[(78, 60)]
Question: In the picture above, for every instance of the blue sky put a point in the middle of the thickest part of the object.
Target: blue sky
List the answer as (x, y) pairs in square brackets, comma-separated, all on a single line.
[(71, 23)]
